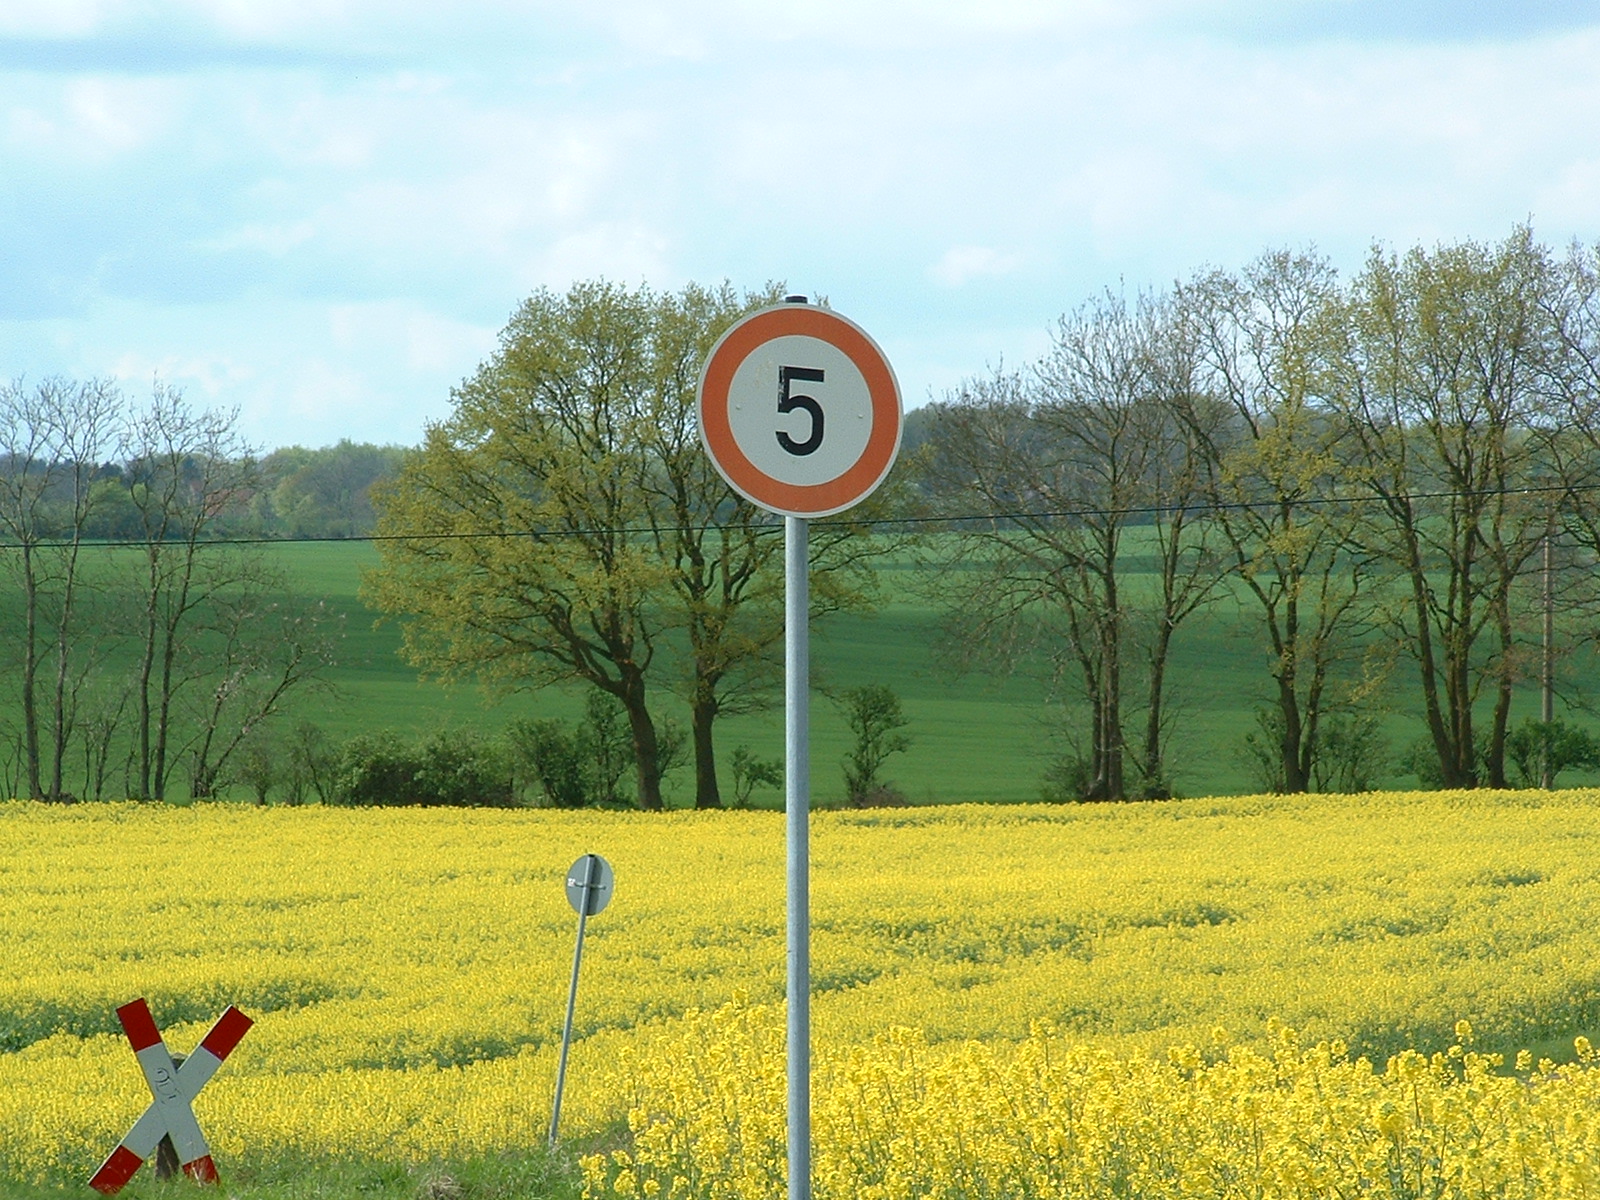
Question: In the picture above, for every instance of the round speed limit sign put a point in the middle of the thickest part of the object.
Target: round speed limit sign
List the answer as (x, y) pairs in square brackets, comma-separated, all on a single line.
[(799, 410)]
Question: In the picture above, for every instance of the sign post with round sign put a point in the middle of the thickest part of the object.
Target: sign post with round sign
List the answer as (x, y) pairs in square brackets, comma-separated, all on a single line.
[(800, 412), (590, 883)]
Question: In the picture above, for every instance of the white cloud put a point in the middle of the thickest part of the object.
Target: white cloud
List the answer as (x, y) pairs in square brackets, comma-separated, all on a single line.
[(963, 263), (90, 119), (356, 227), (276, 240), (52, 18), (1570, 198), (215, 378), (626, 252)]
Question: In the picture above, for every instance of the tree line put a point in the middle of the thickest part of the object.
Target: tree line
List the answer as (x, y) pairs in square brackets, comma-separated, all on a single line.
[(1377, 469)]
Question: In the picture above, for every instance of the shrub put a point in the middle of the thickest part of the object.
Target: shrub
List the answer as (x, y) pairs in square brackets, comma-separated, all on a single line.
[(257, 767), (1351, 753), (582, 764), (1529, 744), (1262, 751), (311, 765), (1421, 759), (447, 770), (1067, 779), (552, 753), (750, 772), (876, 719)]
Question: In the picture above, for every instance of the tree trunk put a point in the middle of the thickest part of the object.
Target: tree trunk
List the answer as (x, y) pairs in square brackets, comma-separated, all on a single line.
[(1291, 761), (646, 747), (61, 723), (158, 778), (706, 792), (146, 669), (1116, 786), (1153, 784), (30, 671), (1495, 763)]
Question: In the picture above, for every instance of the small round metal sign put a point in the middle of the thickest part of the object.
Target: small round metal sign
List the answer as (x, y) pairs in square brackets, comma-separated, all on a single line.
[(799, 410), (589, 885)]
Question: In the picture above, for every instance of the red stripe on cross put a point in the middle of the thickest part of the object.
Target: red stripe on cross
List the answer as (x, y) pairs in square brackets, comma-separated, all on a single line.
[(139, 1025), (115, 1172), (201, 1170), (225, 1034)]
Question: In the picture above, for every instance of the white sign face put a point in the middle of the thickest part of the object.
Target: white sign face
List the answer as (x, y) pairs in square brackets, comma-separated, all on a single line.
[(799, 410)]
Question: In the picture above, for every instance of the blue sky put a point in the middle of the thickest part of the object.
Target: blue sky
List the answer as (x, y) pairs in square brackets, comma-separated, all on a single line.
[(322, 211)]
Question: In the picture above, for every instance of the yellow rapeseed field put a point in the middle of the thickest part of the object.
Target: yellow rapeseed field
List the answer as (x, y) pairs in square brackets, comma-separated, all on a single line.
[(1264, 996)]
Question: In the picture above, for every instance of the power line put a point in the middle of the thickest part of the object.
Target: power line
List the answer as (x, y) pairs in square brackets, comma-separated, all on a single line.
[(1083, 512)]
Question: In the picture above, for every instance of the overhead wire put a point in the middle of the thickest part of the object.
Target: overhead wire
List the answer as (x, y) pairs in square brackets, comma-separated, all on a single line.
[(1080, 512)]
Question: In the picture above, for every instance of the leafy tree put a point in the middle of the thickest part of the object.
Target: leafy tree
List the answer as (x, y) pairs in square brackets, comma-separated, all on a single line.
[(564, 520), (1442, 382), (722, 552), (723, 560), (516, 552)]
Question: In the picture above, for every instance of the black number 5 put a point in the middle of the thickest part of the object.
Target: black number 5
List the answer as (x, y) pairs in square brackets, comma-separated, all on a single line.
[(788, 403)]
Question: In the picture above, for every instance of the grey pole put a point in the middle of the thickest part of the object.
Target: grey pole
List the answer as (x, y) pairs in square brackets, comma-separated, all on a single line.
[(797, 811), (589, 864), (1547, 698)]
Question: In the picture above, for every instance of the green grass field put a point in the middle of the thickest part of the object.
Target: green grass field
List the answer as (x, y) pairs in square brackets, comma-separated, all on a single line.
[(975, 738), (972, 740)]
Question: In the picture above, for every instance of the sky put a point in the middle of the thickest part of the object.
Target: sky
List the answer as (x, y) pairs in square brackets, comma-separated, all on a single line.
[(322, 212)]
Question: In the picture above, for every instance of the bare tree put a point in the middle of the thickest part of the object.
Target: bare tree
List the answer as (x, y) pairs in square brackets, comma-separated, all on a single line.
[(186, 467), (1071, 458), (261, 647), (1573, 442), (53, 437)]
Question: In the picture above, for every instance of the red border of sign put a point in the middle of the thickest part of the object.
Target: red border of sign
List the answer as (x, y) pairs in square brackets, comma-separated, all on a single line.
[(857, 482)]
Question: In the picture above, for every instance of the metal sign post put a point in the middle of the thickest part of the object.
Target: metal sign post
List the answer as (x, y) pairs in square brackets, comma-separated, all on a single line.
[(797, 814), (589, 887), (800, 412)]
